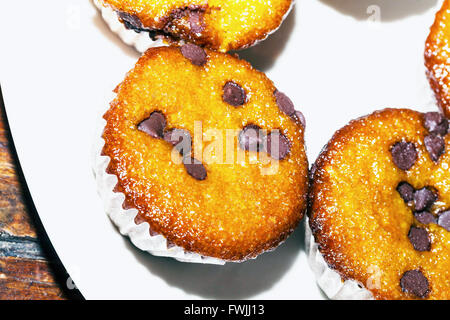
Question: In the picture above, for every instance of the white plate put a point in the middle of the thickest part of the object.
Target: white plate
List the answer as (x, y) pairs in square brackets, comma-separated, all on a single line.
[(59, 63)]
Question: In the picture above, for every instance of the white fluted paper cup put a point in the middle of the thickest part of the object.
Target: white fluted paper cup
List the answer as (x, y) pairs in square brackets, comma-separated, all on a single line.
[(141, 41), (124, 219)]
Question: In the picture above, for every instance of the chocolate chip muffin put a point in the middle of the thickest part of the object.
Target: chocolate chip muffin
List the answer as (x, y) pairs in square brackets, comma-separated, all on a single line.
[(436, 57), (380, 204), (208, 151), (220, 25)]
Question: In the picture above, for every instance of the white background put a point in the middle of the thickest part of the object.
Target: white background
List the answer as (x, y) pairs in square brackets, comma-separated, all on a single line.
[(59, 63)]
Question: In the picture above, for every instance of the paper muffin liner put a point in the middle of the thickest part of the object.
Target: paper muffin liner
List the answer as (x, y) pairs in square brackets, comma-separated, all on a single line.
[(124, 219), (328, 279), (141, 41)]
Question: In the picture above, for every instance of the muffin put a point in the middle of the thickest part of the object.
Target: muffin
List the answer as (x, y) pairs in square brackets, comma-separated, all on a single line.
[(437, 56), (141, 40), (379, 207), (206, 153), (219, 25)]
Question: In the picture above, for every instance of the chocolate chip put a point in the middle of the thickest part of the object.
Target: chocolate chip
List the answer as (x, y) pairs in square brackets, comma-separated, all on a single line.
[(419, 239), (251, 138), (414, 282), (153, 125), (196, 22), (277, 145), (131, 27), (406, 191), (444, 220), (435, 146), (154, 35), (425, 217), (176, 136), (436, 123), (195, 168), (424, 199), (233, 94), (404, 154), (131, 21), (195, 54), (300, 118), (179, 138), (284, 103)]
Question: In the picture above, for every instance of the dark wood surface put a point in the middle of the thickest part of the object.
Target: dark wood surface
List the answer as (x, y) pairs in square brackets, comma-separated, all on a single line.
[(29, 269)]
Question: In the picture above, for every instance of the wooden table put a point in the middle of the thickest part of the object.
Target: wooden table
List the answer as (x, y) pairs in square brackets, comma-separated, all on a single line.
[(29, 268)]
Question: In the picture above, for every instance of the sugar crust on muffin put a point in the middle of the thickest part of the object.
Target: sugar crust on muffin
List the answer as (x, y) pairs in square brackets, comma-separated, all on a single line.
[(379, 204), (229, 211), (437, 57), (220, 25)]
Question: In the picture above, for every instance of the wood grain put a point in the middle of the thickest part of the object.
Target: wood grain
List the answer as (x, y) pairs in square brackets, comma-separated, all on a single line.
[(14, 219), (25, 270), (27, 279)]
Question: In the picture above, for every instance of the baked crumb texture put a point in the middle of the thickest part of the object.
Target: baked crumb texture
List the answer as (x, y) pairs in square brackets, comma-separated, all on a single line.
[(380, 201), (216, 24), (231, 211), (437, 57)]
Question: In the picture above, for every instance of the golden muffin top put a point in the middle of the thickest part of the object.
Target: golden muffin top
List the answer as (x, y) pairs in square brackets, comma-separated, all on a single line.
[(241, 194), (437, 57), (217, 24), (380, 204)]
